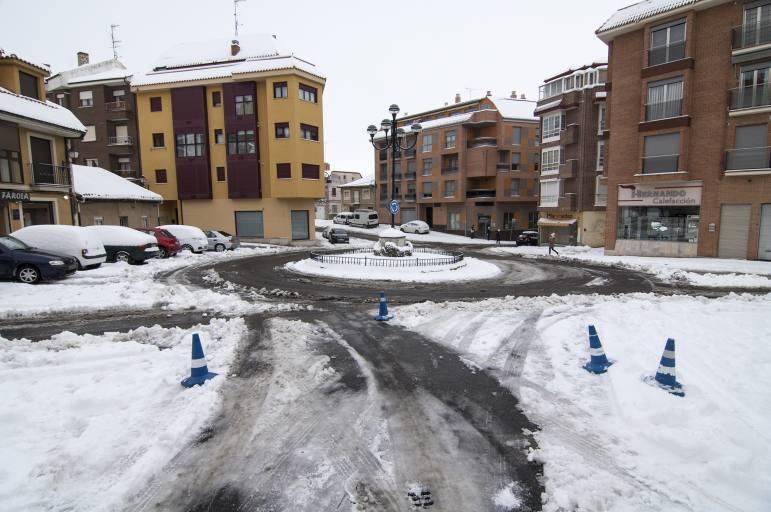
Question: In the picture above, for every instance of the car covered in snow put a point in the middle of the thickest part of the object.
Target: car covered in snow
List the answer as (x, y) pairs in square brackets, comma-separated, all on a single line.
[(335, 235), (527, 238), (190, 238), (221, 240), (74, 241), (126, 244), (20, 261), (168, 245), (415, 226)]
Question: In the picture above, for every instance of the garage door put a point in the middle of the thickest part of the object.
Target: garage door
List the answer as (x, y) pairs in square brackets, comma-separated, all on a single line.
[(249, 225), (764, 249), (409, 214), (299, 225), (734, 230)]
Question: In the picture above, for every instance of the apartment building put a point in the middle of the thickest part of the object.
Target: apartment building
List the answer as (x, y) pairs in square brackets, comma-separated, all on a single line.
[(231, 136), (573, 186), (475, 165), (99, 95), (359, 194), (688, 164), (332, 203), (35, 139)]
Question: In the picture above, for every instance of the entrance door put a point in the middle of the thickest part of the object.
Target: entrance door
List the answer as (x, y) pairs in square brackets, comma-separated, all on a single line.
[(430, 216), (483, 221), (42, 161), (734, 230), (299, 225), (764, 248), (38, 213)]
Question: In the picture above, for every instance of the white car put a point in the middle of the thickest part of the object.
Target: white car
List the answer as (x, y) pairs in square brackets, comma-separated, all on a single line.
[(75, 241), (343, 218), (190, 237), (415, 226)]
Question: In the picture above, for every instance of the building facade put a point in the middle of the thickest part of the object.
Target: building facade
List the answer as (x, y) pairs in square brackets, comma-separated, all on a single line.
[(689, 171), (573, 186), (359, 195), (35, 139), (99, 95), (231, 136), (332, 203), (475, 166)]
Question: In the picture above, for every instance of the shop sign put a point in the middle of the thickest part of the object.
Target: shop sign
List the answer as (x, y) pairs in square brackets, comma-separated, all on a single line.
[(14, 195), (660, 195)]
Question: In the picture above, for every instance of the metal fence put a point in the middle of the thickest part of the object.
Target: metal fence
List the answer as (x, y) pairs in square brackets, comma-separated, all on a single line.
[(367, 258)]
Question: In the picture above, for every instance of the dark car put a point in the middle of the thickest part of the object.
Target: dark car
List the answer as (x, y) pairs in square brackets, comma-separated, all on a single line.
[(126, 244), (528, 238), (20, 261), (336, 235), (168, 245)]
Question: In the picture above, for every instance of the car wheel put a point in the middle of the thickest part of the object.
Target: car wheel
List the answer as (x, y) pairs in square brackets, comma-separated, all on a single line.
[(28, 274), (187, 247), (219, 248), (162, 253), (123, 256)]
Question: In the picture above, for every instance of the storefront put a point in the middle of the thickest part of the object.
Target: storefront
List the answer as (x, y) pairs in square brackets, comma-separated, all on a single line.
[(10, 209), (564, 229)]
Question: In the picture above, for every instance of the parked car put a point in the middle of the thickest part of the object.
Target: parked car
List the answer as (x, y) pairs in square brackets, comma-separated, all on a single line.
[(335, 235), (365, 219), (190, 237), (20, 261), (126, 244), (73, 241), (415, 226), (168, 245), (527, 238), (221, 240), (343, 218)]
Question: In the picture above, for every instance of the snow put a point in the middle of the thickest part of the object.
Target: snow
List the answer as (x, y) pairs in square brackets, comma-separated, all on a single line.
[(433, 236), (42, 111), (119, 235), (641, 10), (5, 53), (547, 106), (113, 74), (97, 183), (68, 240), (367, 181), (87, 420), (218, 50), (391, 233), (612, 441), (601, 94), (433, 123), (509, 108)]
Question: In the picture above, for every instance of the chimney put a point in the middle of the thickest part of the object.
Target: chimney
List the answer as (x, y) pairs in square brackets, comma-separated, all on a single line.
[(522, 97), (489, 93), (445, 103), (234, 48), (457, 97), (82, 58), (513, 95)]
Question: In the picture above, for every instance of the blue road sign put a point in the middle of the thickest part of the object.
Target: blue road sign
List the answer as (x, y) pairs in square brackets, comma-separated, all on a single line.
[(393, 206)]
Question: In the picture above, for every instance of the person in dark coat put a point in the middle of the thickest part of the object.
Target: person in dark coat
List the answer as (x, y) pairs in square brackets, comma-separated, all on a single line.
[(472, 231), (488, 232), (552, 241), (498, 237)]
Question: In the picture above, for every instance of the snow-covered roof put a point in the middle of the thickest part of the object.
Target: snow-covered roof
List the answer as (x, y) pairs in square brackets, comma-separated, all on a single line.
[(362, 182), (113, 74), (547, 106), (103, 71), (98, 183), (511, 108), (640, 11), (5, 53), (218, 50), (41, 111)]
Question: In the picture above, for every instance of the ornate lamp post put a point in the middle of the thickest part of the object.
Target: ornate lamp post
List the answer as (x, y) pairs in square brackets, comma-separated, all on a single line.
[(397, 141)]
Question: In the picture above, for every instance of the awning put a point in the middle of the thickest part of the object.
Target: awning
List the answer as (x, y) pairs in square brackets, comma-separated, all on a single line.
[(545, 221)]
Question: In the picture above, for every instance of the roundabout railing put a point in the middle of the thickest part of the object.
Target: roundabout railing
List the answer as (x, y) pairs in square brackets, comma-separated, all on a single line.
[(367, 258)]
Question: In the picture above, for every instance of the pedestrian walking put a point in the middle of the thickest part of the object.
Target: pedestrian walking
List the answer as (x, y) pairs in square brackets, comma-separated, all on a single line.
[(552, 241), (488, 232), (472, 231), (498, 237)]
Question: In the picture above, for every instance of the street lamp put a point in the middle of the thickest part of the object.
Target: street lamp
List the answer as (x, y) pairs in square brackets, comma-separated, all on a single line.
[(398, 142)]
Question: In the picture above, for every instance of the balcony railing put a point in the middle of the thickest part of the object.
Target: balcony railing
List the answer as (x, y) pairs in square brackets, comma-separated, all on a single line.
[(750, 35), (116, 106), (482, 142), (410, 196), (748, 158), (120, 141), (660, 164), (477, 193), (384, 176), (427, 195), (502, 167), (600, 199), (410, 175), (48, 174), (668, 53), (751, 96), (449, 170), (549, 201), (410, 153), (511, 192), (126, 173), (663, 110), (397, 176)]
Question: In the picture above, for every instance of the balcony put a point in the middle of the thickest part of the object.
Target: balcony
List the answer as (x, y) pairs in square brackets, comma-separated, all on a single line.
[(750, 36), (487, 193), (449, 170), (668, 53), (740, 161), (427, 195), (383, 154), (660, 164), (663, 110), (410, 153), (502, 167), (384, 176), (410, 196), (50, 175), (569, 169), (569, 135), (120, 141), (410, 175), (601, 199), (550, 201), (126, 173), (116, 106), (753, 96), (482, 142)]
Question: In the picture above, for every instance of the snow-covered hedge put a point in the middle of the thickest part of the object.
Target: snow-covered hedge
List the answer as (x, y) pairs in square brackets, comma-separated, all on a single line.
[(390, 249)]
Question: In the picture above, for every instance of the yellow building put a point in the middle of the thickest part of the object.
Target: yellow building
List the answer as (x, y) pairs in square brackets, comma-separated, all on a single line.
[(35, 180), (231, 136)]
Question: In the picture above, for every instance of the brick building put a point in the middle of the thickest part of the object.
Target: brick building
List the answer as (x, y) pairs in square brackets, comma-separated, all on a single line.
[(573, 195), (688, 168), (475, 165)]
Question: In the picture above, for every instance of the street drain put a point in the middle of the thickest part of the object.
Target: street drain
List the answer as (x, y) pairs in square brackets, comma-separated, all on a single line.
[(422, 500)]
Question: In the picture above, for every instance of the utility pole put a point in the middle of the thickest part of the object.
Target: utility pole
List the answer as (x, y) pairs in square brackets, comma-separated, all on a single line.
[(235, 16), (115, 42)]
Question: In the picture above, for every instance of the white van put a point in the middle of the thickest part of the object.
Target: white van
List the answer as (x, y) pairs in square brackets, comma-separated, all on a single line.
[(365, 219), (343, 218), (78, 242), (190, 237)]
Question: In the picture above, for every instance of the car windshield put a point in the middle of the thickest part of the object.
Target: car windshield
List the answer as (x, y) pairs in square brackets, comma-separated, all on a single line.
[(224, 233), (12, 243), (166, 233)]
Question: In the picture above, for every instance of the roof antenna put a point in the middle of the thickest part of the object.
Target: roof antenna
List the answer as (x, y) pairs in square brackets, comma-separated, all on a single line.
[(115, 42), (235, 15)]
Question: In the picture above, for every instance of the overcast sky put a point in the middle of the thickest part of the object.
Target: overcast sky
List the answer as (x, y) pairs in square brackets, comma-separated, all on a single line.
[(415, 53)]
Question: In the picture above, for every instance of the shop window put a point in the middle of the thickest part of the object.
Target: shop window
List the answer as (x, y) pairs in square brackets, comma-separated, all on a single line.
[(659, 223)]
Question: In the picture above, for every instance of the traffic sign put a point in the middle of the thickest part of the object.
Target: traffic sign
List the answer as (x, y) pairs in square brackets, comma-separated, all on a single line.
[(393, 206)]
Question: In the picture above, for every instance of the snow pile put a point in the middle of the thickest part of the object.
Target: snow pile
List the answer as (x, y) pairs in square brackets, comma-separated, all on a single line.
[(391, 249), (97, 183), (119, 235), (612, 441), (87, 419)]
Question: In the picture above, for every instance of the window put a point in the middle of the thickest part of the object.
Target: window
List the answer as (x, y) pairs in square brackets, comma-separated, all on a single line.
[(453, 221), (411, 169), (449, 139), (216, 99), (601, 191), (86, 98), (310, 172), (508, 220), (118, 93), (28, 85), (346, 195), (282, 130), (159, 140), (514, 188), (428, 166), (383, 172), (532, 220), (219, 136), (672, 223), (662, 153), (398, 171), (428, 189), (550, 160), (550, 193), (10, 167), (242, 142), (284, 172), (92, 162), (160, 176), (428, 143), (189, 145), (61, 99), (665, 99), (449, 188), (755, 29), (552, 125), (309, 132), (667, 43), (124, 164), (307, 93), (249, 225), (751, 151), (600, 155), (515, 161), (123, 221), (220, 174), (155, 104), (516, 135), (602, 120), (300, 225), (98, 221), (145, 221), (245, 105), (280, 90), (365, 195), (754, 87), (334, 192), (90, 135)]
